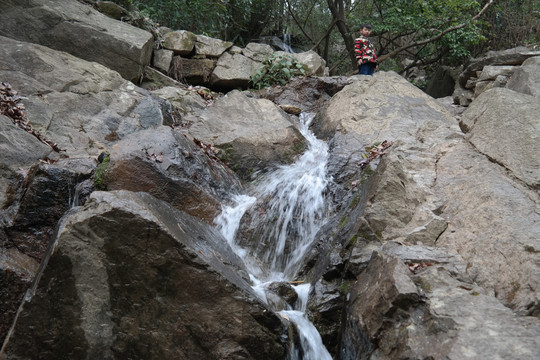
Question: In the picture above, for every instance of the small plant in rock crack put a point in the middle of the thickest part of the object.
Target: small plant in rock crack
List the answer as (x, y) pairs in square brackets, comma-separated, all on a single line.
[(277, 70)]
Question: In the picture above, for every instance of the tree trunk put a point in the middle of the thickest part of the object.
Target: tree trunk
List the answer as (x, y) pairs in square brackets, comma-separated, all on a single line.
[(337, 8)]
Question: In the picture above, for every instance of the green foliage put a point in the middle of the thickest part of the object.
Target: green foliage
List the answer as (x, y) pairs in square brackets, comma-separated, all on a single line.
[(421, 84), (345, 287), (343, 221), (506, 23), (100, 174), (398, 22), (423, 284), (206, 17), (514, 22), (232, 20), (277, 70), (389, 65)]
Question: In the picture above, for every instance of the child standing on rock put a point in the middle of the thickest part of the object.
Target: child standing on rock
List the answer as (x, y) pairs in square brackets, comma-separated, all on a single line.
[(365, 52)]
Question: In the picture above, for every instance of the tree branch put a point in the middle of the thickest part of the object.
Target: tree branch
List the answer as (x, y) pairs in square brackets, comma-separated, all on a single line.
[(326, 34), (434, 38), (338, 14), (297, 21)]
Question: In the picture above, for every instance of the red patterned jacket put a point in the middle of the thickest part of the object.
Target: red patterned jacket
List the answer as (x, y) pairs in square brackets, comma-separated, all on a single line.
[(364, 50)]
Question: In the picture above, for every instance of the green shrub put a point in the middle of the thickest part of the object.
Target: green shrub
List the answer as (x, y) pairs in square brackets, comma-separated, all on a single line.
[(277, 70), (99, 176)]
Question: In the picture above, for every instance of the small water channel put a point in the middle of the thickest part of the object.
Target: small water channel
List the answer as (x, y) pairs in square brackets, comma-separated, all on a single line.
[(295, 211)]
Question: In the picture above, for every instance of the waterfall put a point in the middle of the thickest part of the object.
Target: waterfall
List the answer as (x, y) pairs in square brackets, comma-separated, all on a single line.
[(75, 197), (287, 43), (294, 209)]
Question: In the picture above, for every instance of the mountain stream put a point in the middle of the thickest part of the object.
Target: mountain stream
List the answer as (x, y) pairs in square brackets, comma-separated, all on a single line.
[(295, 211)]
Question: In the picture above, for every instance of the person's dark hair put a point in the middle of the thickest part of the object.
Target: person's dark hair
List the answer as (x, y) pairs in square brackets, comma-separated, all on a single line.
[(366, 25)]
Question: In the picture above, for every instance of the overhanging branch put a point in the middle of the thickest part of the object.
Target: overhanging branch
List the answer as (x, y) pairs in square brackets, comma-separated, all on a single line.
[(434, 38)]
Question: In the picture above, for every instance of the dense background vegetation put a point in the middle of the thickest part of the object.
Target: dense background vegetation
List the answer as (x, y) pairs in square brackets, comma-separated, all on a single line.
[(407, 33)]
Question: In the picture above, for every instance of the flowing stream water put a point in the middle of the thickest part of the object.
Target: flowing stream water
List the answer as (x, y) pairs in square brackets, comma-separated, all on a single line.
[(294, 202)]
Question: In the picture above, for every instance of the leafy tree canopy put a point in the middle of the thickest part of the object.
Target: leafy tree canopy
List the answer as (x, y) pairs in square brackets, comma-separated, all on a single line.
[(424, 31)]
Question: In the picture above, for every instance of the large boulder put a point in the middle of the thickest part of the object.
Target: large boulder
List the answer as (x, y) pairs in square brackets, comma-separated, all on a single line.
[(503, 125), (48, 192), (162, 60), (480, 205), (192, 71), (383, 288), (185, 101), (20, 150), (397, 313), (382, 107), (80, 30), (309, 93), (526, 79), (111, 9), (17, 272), (81, 106), (491, 72), (431, 187), (64, 98), (181, 42), (131, 277), (252, 134), (415, 196), (171, 167), (233, 71), (211, 47), (515, 56), (313, 63), (257, 52)]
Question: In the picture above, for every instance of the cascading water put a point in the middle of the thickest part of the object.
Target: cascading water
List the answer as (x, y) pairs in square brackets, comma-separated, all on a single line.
[(294, 199), (287, 43)]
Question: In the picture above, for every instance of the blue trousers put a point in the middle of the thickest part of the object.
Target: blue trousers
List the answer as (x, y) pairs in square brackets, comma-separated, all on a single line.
[(366, 69)]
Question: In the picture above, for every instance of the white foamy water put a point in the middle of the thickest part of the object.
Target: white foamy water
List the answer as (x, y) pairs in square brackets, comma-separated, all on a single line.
[(312, 346), (296, 202), (294, 211)]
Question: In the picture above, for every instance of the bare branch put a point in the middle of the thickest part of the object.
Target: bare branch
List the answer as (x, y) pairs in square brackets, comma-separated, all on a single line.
[(297, 21), (326, 34), (482, 11)]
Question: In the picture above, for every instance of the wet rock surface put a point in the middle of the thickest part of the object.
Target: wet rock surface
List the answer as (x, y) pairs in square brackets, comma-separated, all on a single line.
[(310, 94), (127, 266), (252, 134), (170, 166), (429, 250)]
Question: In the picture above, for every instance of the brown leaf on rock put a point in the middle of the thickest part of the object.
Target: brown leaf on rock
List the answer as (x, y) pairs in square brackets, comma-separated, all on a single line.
[(208, 149), (415, 268), (151, 156), (375, 152), (10, 107)]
